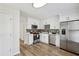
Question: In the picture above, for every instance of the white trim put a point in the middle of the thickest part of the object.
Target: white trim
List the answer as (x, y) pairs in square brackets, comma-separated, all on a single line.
[(18, 52)]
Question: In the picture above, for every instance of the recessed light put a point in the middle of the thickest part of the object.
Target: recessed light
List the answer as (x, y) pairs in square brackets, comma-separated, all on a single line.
[(38, 5)]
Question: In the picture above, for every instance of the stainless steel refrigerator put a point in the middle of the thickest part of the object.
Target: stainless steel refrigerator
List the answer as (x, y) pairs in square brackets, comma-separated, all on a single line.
[(69, 36)]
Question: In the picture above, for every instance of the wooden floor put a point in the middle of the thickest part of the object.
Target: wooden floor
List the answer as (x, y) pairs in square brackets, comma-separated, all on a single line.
[(41, 49)]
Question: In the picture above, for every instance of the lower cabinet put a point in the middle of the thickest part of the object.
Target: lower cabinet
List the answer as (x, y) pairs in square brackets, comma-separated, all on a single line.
[(28, 39), (44, 38)]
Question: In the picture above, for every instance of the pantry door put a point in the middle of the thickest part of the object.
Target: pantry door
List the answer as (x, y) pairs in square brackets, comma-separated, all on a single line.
[(5, 35)]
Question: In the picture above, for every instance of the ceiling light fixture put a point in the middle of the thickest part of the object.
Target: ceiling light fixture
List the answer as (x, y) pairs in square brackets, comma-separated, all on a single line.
[(38, 5)]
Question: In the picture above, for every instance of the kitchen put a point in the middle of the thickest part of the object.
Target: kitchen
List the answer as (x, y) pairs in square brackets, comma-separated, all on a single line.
[(50, 30), (65, 38), (44, 31), (47, 30)]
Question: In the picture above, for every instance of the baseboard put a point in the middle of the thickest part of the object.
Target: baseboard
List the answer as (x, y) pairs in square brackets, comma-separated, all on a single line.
[(18, 52), (44, 43), (52, 44), (70, 51), (21, 40)]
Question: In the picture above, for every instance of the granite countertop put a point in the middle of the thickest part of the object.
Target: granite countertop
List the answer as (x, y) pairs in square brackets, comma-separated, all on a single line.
[(36, 31)]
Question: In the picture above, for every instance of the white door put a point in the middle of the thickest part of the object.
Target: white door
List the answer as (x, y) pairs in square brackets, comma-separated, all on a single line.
[(5, 33)]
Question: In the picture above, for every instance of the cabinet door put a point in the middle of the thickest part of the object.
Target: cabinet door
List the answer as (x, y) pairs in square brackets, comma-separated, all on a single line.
[(26, 38), (5, 33), (41, 37), (73, 25), (30, 39), (46, 38)]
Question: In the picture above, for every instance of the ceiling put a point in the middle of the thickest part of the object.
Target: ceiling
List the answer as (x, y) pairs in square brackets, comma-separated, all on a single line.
[(49, 10)]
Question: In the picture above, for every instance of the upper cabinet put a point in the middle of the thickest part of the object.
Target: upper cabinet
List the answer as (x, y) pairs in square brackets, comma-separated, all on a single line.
[(73, 25), (69, 17), (32, 21), (53, 22)]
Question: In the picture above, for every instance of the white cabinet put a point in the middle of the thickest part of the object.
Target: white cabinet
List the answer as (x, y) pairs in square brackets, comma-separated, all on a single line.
[(73, 25), (28, 39), (57, 40), (44, 37), (32, 21)]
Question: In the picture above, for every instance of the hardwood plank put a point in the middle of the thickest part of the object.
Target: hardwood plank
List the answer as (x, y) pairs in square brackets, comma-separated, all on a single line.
[(41, 49)]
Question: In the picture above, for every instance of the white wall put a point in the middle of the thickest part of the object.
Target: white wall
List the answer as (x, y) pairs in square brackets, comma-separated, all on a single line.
[(15, 16), (23, 25)]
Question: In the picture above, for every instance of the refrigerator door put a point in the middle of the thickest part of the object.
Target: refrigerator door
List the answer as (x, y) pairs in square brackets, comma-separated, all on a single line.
[(69, 36), (73, 37), (63, 35), (73, 25)]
